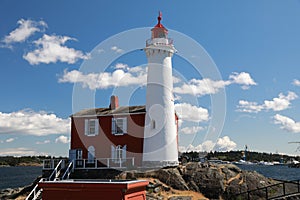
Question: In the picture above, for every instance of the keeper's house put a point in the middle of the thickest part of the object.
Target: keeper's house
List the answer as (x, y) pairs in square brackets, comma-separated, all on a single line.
[(108, 137)]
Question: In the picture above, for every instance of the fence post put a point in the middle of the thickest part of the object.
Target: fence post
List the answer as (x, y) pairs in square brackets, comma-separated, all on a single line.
[(52, 163), (267, 196), (283, 187), (298, 186), (248, 195)]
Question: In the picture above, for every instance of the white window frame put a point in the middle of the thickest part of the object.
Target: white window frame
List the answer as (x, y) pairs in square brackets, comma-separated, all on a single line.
[(119, 126), (88, 129), (118, 153)]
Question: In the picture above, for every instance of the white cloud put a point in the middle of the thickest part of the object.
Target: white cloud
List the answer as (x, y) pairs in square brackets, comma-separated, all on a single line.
[(123, 76), (33, 123), (18, 152), (192, 113), (26, 29), (207, 86), (9, 140), (205, 146), (225, 144), (122, 66), (243, 79), (43, 142), (100, 51), (176, 80), (296, 82), (62, 139), (116, 49), (181, 148), (201, 87), (287, 123), (51, 49), (191, 130), (279, 103), (222, 144), (249, 107)]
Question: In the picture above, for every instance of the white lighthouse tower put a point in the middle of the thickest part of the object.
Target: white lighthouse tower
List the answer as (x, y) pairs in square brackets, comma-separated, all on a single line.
[(160, 133)]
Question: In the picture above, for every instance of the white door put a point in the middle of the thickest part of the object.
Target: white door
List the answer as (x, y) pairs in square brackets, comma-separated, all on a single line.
[(91, 154)]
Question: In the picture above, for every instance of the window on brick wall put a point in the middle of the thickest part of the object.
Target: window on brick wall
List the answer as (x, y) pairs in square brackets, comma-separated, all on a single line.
[(119, 126), (91, 127)]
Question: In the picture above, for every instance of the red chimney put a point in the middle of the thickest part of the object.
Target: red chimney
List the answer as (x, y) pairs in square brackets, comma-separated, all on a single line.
[(114, 102)]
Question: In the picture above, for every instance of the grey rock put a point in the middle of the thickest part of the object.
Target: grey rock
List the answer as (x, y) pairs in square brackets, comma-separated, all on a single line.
[(180, 198), (214, 181)]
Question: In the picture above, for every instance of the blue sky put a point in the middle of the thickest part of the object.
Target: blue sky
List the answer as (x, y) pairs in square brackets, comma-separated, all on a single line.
[(48, 46)]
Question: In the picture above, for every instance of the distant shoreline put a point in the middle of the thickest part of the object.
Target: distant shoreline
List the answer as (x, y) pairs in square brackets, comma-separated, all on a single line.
[(11, 161), (24, 165)]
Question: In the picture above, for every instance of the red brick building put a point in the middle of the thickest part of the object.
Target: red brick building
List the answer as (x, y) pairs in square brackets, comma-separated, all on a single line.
[(112, 136)]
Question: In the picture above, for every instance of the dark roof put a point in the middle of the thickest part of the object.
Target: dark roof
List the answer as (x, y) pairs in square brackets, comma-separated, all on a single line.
[(108, 111)]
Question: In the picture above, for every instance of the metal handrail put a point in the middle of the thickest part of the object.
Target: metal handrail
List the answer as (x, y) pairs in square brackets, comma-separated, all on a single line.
[(33, 191), (68, 171), (95, 163), (265, 189), (55, 171), (104, 163), (164, 41)]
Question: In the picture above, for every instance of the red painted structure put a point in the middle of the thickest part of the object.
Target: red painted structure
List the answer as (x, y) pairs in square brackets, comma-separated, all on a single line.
[(101, 190), (103, 140)]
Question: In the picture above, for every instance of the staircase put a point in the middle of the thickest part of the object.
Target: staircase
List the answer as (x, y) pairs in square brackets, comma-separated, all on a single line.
[(60, 172)]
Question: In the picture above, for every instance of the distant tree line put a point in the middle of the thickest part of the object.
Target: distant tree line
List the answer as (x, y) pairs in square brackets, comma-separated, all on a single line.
[(16, 161), (238, 155)]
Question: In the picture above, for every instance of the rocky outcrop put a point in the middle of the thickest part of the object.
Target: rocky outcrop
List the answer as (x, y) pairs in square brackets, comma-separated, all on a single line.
[(214, 181), (18, 193)]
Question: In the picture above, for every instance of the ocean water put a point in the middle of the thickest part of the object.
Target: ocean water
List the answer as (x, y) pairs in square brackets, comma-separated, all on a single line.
[(280, 172), (13, 177)]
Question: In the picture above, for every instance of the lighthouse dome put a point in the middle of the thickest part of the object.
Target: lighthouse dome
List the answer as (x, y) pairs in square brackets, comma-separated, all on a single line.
[(159, 31)]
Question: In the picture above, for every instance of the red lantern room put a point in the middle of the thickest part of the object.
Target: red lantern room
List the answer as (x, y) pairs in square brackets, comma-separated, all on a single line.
[(159, 31)]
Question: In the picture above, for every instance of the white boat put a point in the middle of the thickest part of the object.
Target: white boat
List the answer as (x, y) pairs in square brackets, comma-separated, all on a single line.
[(242, 162), (265, 163)]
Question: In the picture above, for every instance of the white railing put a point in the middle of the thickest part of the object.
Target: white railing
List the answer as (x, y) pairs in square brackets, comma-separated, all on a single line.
[(159, 41), (58, 165), (52, 163), (35, 192), (68, 171), (88, 164), (104, 163), (57, 170)]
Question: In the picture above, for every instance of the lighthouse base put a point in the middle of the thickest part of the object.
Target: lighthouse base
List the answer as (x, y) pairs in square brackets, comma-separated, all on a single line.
[(159, 164)]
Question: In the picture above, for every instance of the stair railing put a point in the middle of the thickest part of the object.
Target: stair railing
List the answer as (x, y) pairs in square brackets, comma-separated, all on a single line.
[(56, 171), (35, 192), (68, 171)]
